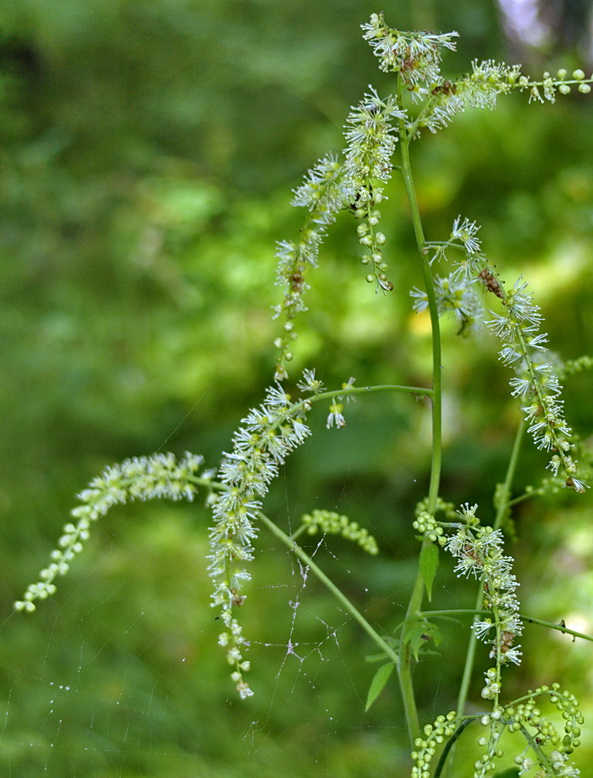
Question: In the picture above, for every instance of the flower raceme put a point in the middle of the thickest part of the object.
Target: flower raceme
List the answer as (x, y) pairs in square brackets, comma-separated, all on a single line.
[(260, 445), (518, 328), (535, 383), (416, 56), (158, 477), (479, 553)]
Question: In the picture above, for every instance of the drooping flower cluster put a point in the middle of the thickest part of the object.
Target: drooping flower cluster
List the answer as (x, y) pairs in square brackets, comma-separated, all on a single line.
[(416, 57), (355, 184), (158, 477), (536, 383), (369, 163), (266, 436), (518, 328)]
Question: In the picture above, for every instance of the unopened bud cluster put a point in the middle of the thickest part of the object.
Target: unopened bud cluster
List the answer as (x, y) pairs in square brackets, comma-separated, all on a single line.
[(157, 477), (521, 717), (434, 735), (429, 528), (332, 523), (563, 83)]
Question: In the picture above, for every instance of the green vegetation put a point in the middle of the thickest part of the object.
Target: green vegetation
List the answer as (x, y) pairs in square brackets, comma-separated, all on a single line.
[(147, 152)]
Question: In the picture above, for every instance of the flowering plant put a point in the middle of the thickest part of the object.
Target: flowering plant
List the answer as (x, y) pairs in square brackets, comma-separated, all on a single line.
[(379, 133)]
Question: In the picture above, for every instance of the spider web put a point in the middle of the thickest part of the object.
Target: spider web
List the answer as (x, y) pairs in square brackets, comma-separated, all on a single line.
[(119, 674)]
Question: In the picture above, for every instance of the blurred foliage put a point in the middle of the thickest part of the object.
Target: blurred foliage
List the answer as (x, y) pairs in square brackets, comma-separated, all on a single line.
[(147, 155)]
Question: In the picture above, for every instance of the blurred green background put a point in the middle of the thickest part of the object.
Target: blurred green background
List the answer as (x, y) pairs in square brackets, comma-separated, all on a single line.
[(147, 154)]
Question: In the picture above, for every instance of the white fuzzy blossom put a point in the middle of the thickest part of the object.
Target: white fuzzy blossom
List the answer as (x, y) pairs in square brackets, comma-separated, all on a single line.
[(479, 553), (336, 417), (562, 767), (453, 295), (535, 382), (309, 383), (416, 56), (371, 138), (260, 445), (157, 477), (487, 80), (466, 232), (523, 344)]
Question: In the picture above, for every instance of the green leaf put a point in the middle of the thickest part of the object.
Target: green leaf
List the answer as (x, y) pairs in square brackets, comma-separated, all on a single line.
[(419, 633), (512, 772), (429, 561), (379, 680)]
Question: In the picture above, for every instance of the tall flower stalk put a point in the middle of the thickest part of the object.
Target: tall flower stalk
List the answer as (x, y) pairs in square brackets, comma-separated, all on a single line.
[(380, 132)]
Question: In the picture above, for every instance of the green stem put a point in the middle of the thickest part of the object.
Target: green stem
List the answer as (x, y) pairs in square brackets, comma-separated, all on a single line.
[(347, 391), (329, 584), (450, 743), (417, 390), (504, 497), (435, 471), (454, 612), (527, 619), (525, 496), (415, 604), (542, 758), (559, 627)]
